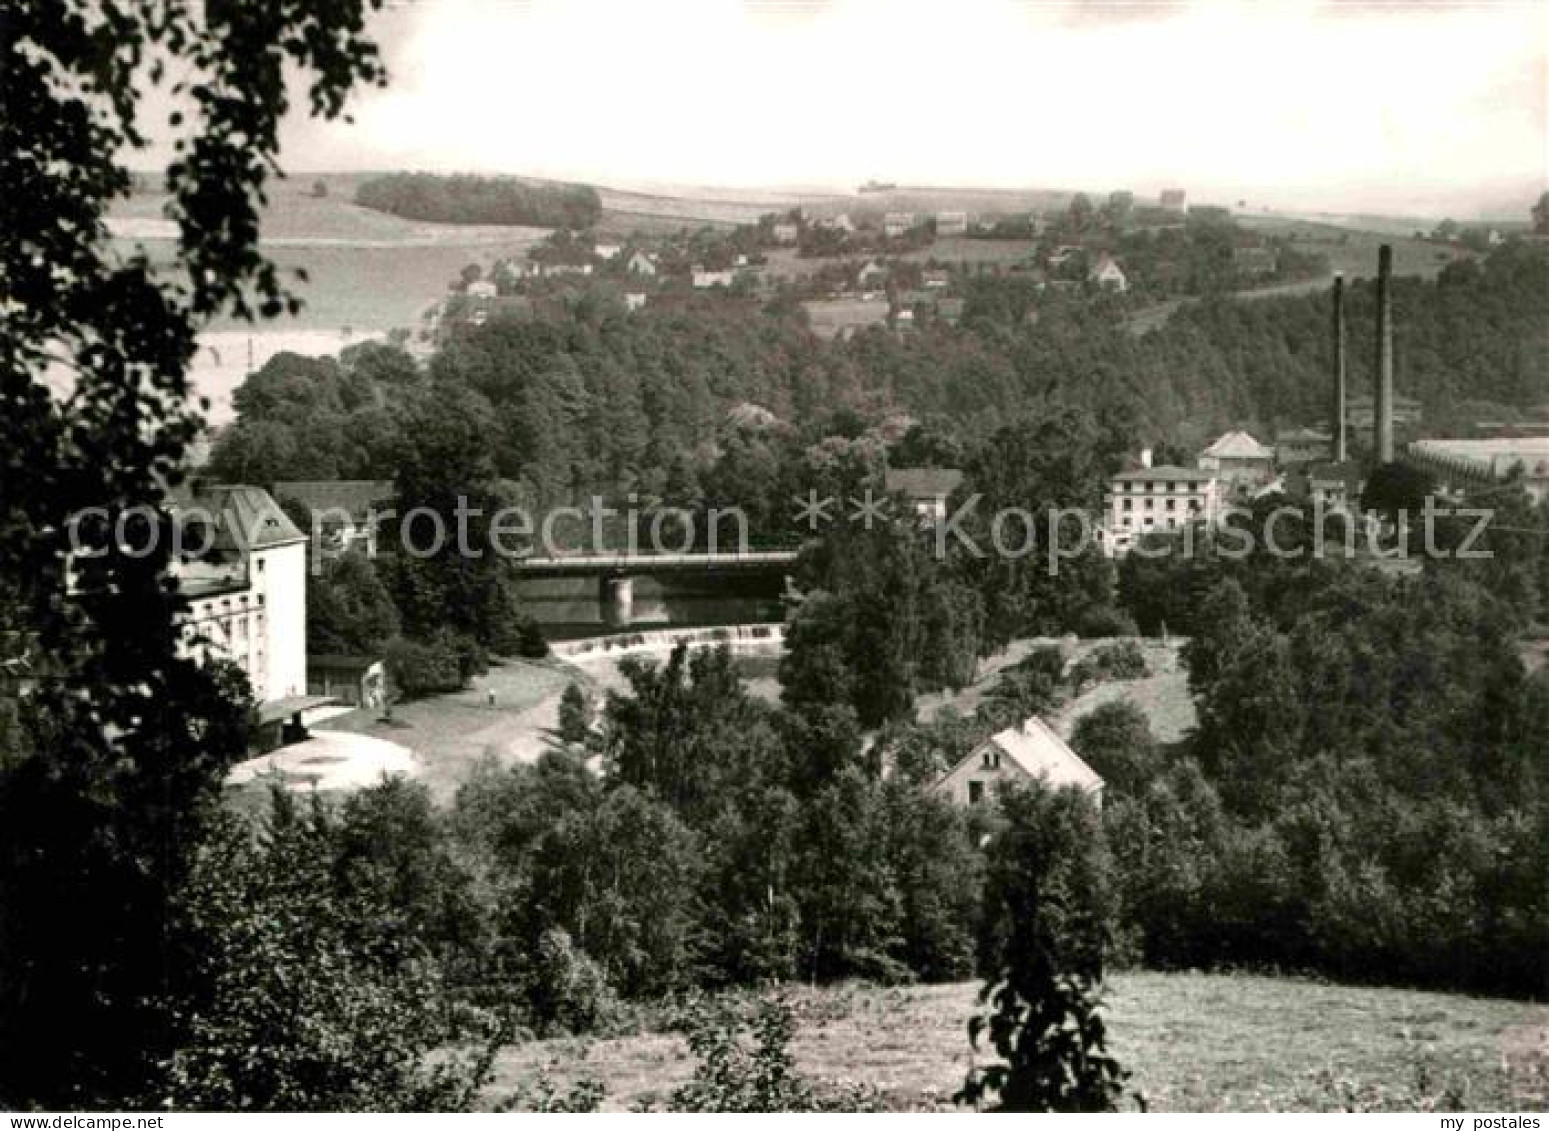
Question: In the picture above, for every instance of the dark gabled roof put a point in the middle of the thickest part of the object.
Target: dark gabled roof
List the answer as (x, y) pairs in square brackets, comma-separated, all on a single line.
[(246, 518), (1165, 473)]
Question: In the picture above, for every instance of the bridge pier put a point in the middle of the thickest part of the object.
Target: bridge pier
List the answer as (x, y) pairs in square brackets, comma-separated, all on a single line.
[(616, 597)]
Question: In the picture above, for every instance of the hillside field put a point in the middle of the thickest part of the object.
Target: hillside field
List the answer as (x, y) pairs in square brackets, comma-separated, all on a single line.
[(1195, 1042), (368, 272), (1355, 251)]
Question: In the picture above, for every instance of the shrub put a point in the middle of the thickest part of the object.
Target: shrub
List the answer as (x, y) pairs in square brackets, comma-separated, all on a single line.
[(530, 640), (575, 715), (1048, 1030), (511, 632), (1115, 740), (543, 1096), (1105, 620), (1033, 685), (568, 991), (427, 667), (745, 1065), (1123, 659), (1427, 1090)]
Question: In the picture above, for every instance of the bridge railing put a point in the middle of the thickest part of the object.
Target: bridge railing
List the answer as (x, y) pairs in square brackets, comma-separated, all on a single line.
[(583, 561)]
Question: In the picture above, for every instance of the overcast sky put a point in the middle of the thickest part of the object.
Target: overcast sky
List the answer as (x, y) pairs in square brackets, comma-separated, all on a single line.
[(1404, 107)]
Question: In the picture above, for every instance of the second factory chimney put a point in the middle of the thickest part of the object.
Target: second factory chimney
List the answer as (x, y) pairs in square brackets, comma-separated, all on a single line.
[(1382, 396), (1340, 447)]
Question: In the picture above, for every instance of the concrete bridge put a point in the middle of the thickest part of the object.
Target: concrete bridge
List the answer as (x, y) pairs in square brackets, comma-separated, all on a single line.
[(616, 572)]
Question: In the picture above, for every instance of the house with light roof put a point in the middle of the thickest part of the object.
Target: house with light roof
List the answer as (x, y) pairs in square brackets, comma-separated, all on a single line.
[(1021, 755), (1107, 274), (1239, 461)]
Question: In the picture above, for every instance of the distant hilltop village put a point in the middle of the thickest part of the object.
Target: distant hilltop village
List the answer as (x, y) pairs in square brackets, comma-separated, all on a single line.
[(894, 257)]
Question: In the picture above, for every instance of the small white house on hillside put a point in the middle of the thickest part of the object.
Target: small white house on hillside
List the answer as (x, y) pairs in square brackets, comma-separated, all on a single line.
[(1017, 756)]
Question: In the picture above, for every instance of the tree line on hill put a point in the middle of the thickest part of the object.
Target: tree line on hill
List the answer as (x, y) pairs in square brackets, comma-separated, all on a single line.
[(468, 199), (157, 950), (722, 404), (593, 399)]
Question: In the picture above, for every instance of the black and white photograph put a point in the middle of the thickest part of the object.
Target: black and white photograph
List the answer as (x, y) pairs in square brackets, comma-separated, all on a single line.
[(773, 556)]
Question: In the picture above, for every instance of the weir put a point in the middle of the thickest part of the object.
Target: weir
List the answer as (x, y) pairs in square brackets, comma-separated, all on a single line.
[(740, 637)]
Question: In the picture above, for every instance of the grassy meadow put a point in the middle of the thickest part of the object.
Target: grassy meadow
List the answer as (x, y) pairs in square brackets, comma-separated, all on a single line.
[(1354, 251), (1194, 1042)]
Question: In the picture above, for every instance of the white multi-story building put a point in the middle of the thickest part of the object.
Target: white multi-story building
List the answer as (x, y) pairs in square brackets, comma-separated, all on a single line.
[(1157, 500), (244, 574)]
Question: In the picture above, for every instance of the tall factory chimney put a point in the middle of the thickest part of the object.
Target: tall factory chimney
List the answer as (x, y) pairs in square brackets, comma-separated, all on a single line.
[(1340, 447), (1382, 397)]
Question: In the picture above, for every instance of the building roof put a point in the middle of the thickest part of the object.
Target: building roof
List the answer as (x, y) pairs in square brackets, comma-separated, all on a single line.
[(1042, 755), (1164, 473), (1303, 436), (355, 496), (246, 518), (1497, 456), (275, 710), (1238, 445), (923, 482)]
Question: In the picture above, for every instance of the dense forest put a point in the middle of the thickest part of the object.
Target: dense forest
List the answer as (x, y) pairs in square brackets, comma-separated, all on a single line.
[(468, 199), (1302, 825), (723, 402), (1363, 796), (591, 398)]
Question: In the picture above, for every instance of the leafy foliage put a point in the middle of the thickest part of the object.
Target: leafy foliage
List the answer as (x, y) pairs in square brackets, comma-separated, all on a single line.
[(1048, 881), (427, 667), (1115, 740), (466, 199), (349, 611), (745, 1064), (318, 995), (1363, 795), (575, 715), (120, 752)]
